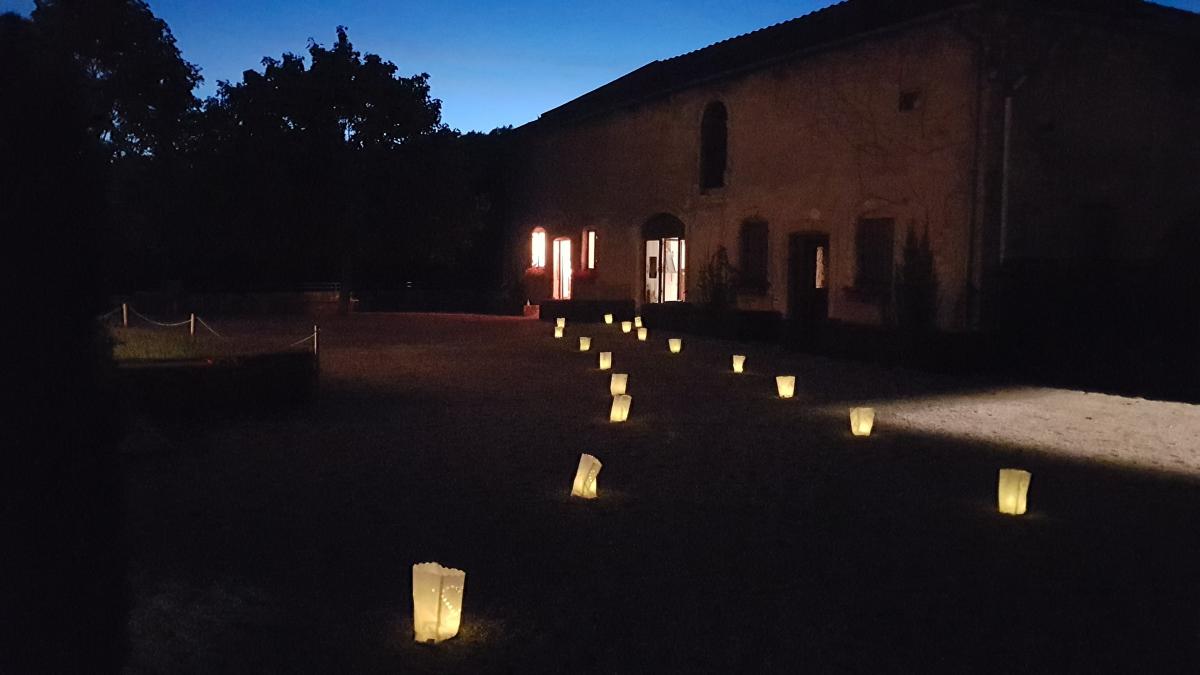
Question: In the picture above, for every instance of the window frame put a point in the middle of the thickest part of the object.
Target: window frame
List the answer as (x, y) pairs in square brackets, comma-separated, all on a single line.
[(756, 233), (588, 250), (714, 146), (537, 260), (874, 256)]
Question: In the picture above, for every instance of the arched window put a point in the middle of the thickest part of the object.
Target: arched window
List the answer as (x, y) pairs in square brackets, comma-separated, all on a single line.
[(538, 248), (714, 146), (752, 256)]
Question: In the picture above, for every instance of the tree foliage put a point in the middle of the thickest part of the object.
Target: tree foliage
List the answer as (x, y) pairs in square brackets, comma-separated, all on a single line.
[(138, 87)]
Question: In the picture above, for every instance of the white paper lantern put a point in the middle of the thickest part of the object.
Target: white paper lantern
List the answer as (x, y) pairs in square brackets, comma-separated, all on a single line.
[(637, 322), (626, 326), (739, 363), (862, 420), (608, 319), (786, 384), (560, 322), (437, 601), (620, 408), (643, 334), (558, 331), (585, 343), (1013, 491), (605, 360), (616, 385), (585, 477), (675, 345)]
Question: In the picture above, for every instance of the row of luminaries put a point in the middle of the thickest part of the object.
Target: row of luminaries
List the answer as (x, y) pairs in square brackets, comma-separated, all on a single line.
[(438, 591)]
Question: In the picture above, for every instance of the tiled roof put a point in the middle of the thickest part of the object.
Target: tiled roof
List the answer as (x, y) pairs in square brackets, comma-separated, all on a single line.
[(832, 24)]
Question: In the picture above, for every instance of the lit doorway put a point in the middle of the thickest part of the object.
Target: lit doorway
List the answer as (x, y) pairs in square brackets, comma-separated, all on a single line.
[(808, 283), (665, 260), (562, 268), (666, 270)]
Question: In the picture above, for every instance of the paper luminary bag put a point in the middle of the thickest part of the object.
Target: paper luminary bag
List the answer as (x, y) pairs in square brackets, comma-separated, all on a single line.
[(620, 408), (437, 601), (739, 363), (862, 420), (617, 384), (1013, 491), (585, 477), (786, 385)]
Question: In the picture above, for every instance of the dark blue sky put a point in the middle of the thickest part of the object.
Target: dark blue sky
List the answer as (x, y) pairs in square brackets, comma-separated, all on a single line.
[(491, 62)]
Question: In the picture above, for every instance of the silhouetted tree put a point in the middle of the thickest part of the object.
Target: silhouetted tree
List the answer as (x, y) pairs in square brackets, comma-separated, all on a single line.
[(358, 131)]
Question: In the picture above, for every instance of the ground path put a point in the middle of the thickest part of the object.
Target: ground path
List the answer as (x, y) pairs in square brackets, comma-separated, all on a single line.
[(735, 532)]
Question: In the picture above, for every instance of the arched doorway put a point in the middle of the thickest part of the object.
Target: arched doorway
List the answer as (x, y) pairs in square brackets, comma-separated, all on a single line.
[(665, 270)]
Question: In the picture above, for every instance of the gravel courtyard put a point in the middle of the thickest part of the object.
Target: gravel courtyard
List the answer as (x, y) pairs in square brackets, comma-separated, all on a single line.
[(735, 532)]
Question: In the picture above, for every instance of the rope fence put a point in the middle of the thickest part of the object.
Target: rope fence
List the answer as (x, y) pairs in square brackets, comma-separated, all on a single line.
[(125, 309)]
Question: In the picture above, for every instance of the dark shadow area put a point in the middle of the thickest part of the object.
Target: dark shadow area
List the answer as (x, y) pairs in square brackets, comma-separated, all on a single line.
[(219, 386), (62, 591)]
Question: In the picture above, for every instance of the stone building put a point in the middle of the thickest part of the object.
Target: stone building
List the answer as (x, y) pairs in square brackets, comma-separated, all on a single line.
[(873, 162)]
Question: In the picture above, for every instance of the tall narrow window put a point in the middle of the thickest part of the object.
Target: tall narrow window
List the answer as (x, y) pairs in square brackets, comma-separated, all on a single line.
[(714, 146), (589, 249), (538, 248), (752, 256), (874, 240)]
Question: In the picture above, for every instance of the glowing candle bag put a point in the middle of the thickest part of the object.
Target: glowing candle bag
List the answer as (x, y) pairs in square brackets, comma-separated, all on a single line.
[(558, 331), (675, 344), (585, 477), (1013, 490), (605, 360), (739, 363), (637, 322), (437, 601), (616, 386), (786, 384), (643, 334), (608, 319), (560, 322), (862, 420), (585, 343), (626, 326), (620, 408)]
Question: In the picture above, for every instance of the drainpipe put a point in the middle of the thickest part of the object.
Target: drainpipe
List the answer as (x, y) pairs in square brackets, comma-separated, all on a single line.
[(1004, 171), (1007, 152)]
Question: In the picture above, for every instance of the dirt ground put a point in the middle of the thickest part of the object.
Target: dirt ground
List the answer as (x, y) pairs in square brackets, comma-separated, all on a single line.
[(735, 532)]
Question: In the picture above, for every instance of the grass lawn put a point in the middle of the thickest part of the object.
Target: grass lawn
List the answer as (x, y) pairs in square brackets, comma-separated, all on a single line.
[(152, 343), (735, 532)]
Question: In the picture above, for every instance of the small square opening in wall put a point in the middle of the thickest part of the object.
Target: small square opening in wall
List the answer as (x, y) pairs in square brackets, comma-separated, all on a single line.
[(910, 100)]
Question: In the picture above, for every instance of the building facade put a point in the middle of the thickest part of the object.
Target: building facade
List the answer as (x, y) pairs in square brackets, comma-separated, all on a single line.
[(870, 161)]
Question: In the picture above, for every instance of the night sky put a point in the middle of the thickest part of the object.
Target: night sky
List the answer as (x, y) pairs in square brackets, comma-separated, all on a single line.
[(492, 63)]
